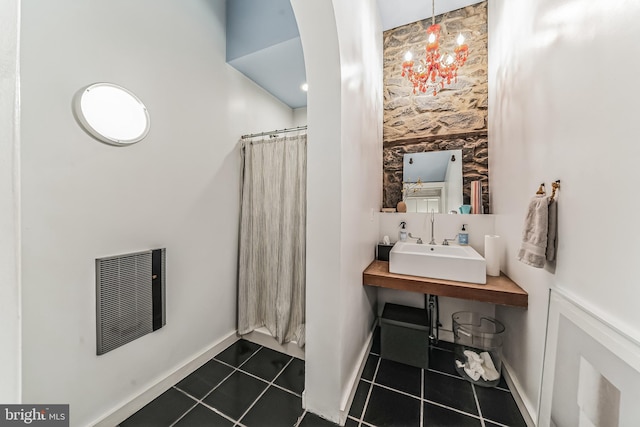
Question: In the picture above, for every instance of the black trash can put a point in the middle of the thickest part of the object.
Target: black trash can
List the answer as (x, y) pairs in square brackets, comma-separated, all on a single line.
[(404, 335)]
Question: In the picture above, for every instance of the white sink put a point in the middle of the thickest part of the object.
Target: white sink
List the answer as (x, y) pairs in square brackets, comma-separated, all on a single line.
[(459, 263)]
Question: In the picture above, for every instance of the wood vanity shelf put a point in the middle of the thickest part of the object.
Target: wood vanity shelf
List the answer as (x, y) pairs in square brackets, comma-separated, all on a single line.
[(498, 290)]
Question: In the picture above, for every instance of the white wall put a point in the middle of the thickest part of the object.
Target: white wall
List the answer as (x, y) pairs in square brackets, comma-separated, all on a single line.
[(176, 189), (299, 116), (454, 183), (361, 168), (563, 105), (10, 351), (316, 23), (343, 58)]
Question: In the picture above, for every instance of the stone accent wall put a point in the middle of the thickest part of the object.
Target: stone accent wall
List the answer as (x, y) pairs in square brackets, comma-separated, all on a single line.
[(454, 119)]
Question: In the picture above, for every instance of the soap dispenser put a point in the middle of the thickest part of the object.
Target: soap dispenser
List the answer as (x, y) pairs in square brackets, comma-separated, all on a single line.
[(403, 231), (463, 236)]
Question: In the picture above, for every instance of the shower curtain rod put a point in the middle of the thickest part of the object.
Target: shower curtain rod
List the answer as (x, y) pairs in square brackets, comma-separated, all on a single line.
[(273, 132)]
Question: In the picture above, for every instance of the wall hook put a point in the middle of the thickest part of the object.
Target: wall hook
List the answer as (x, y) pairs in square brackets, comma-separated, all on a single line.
[(554, 186)]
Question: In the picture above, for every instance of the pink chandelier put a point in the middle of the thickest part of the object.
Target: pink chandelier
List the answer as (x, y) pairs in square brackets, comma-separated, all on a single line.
[(436, 69)]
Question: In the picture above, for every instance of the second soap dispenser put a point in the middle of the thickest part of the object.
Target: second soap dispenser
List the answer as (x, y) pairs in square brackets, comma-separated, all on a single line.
[(463, 236), (403, 231)]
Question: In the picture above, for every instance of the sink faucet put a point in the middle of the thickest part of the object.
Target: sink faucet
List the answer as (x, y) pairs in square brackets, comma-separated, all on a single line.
[(433, 219), (445, 242), (419, 239)]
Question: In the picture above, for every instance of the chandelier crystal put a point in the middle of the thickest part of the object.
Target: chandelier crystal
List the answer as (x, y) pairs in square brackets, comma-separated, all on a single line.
[(436, 69)]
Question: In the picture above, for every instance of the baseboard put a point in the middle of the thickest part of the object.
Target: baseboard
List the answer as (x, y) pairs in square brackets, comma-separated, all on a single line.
[(529, 413), (349, 394), (261, 336), (132, 406)]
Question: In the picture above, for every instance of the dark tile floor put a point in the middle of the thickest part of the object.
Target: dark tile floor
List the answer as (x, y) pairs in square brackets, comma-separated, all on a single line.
[(250, 385)]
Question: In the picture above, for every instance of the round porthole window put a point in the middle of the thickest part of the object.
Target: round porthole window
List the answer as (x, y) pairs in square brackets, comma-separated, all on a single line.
[(111, 114)]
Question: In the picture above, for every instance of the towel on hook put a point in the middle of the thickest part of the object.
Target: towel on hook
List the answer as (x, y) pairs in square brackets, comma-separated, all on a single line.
[(534, 236), (552, 233)]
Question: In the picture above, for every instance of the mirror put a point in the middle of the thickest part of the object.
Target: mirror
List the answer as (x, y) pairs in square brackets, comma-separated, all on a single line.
[(111, 114), (432, 181)]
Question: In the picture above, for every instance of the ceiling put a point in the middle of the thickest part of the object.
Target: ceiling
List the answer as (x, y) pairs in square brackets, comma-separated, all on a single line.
[(263, 41)]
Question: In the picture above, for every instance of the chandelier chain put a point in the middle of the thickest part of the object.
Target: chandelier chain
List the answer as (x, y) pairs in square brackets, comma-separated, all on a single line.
[(433, 12)]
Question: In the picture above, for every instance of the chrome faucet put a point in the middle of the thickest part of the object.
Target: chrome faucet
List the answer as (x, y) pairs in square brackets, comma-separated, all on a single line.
[(433, 219), (445, 242), (419, 239)]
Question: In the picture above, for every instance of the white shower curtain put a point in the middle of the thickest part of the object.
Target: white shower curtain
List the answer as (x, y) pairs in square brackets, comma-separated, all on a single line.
[(271, 267)]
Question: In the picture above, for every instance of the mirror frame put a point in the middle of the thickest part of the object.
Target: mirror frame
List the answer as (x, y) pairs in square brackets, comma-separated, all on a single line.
[(87, 127)]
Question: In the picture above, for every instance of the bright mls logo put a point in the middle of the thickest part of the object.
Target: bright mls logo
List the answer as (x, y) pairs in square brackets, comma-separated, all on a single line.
[(34, 415)]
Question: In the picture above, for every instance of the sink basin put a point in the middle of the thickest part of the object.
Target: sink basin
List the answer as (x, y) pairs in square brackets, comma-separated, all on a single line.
[(459, 263)]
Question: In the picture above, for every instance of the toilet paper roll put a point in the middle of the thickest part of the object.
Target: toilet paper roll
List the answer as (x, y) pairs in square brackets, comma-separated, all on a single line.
[(492, 254)]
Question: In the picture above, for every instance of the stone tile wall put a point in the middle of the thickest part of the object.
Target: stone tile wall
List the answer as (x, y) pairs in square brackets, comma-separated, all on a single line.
[(454, 119)]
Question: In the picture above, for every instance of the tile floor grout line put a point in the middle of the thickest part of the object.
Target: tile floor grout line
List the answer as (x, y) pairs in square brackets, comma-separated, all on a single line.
[(423, 398), (370, 383), (219, 412), (264, 391), (262, 379), (461, 378), (234, 370), (274, 384), (210, 391), (446, 373), (451, 408), (252, 405), (249, 358), (475, 396), (183, 415), (201, 402), (238, 424), (274, 378), (366, 401), (304, 412), (404, 393), (498, 424)]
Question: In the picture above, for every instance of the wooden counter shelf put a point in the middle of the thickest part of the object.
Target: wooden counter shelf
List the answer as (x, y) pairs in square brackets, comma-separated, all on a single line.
[(498, 290)]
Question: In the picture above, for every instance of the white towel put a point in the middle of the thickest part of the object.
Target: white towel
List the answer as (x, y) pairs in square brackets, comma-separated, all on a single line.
[(479, 365), (490, 373), (552, 234), (534, 236)]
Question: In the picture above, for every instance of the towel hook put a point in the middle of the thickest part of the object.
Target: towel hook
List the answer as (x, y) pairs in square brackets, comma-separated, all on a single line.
[(541, 190), (554, 186)]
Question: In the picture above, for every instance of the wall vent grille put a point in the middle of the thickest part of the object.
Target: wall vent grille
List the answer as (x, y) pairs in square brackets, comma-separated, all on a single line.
[(125, 298)]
